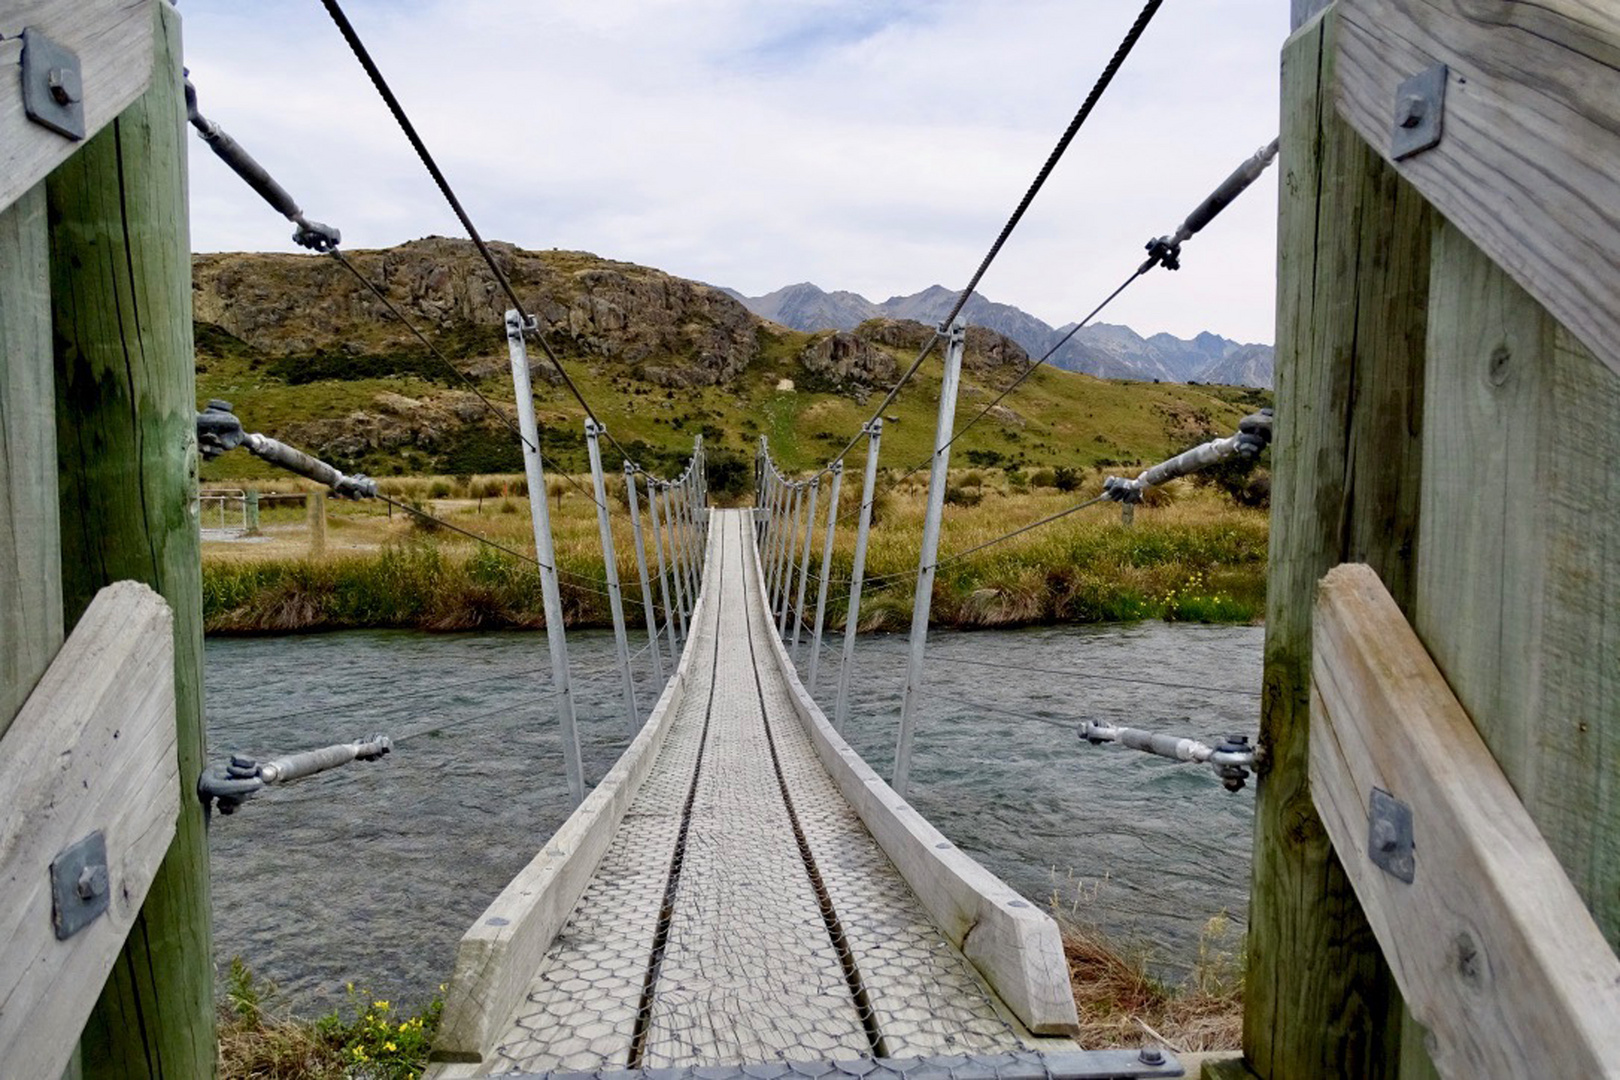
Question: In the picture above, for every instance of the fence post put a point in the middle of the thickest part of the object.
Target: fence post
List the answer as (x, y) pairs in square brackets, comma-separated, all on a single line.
[(610, 565), (126, 450), (546, 555), (938, 476), (250, 511), (852, 617), (826, 571), (315, 506), (671, 615), (804, 563), (1127, 514), (641, 571)]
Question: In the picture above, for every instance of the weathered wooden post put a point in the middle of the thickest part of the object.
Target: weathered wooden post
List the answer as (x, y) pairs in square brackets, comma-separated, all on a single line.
[(250, 511), (315, 512), (126, 440), (1440, 420)]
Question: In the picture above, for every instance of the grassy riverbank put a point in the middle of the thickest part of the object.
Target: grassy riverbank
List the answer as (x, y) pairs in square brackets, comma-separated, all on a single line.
[(1196, 556)]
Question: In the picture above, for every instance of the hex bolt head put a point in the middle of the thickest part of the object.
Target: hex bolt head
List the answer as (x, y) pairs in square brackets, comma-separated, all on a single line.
[(92, 882), (1151, 1055), (1409, 112), (65, 85), (1383, 835)]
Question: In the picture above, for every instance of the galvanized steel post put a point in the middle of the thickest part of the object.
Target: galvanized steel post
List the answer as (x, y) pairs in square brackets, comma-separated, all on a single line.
[(668, 499), (938, 476), (641, 571), (852, 617), (826, 572), (610, 564), (546, 555), (671, 614), (804, 563), (785, 582)]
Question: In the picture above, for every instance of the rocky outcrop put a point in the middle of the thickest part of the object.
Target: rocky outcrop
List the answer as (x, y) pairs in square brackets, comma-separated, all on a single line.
[(849, 358), (983, 349), (667, 330)]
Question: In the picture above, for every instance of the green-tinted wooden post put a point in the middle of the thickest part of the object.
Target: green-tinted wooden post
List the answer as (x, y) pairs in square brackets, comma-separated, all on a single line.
[(126, 438), (1353, 273), (30, 561), (250, 511)]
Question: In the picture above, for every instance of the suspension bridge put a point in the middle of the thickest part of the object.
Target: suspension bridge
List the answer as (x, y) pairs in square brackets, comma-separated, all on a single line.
[(741, 895)]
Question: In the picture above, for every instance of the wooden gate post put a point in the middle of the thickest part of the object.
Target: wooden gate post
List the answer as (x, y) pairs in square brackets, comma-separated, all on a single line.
[(1353, 274), (30, 567), (126, 437), (315, 507)]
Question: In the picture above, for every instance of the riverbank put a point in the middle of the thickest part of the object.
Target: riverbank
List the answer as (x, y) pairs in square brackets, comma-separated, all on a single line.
[(1193, 557)]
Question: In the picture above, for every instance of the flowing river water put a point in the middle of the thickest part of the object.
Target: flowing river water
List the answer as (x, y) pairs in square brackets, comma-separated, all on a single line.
[(371, 873)]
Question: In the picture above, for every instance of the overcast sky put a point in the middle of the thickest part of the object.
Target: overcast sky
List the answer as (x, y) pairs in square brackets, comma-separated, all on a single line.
[(863, 145)]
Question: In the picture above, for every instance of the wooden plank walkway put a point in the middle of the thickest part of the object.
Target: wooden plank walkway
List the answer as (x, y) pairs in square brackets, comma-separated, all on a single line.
[(742, 912)]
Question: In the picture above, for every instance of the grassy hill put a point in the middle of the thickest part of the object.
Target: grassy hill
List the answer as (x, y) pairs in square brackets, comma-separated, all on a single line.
[(305, 355)]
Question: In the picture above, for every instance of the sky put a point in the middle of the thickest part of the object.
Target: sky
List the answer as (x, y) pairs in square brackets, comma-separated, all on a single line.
[(870, 145)]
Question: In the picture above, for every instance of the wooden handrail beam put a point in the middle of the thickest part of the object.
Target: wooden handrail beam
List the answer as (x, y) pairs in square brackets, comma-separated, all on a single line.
[(1526, 163), (1490, 943)]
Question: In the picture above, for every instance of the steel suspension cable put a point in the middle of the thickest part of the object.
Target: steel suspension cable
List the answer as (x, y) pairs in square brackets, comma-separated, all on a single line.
[(1107, 76), (362, 54), (1086, 107)]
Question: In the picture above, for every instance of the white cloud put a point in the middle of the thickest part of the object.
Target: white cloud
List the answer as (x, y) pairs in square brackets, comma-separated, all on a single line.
[(868, 146)]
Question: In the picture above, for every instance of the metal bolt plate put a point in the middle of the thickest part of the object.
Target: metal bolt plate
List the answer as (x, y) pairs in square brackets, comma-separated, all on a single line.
[(1389, 835), (53, 90), (1420, 106), (79, 885)]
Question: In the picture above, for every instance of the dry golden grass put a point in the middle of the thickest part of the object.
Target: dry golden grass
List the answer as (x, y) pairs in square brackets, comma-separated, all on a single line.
[(1120, 1003)]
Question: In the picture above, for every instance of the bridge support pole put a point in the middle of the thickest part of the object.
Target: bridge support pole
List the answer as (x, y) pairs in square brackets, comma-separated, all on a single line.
[(852, 617), (804, 563), (610, 565), (773, 532), (683, 516), (658, 503), (789, 549), (826, 572), (641, 570), (677, 550), (545, 553), (937, 478), (663, 575)]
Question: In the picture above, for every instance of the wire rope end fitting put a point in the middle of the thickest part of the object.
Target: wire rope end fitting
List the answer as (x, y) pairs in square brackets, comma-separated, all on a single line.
[(315, 236)]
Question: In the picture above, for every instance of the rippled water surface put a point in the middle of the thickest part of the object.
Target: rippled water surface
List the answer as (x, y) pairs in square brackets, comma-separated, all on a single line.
[(371, 873)]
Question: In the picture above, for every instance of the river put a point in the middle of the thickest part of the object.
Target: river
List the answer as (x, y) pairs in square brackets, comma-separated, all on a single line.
[(371, 873)]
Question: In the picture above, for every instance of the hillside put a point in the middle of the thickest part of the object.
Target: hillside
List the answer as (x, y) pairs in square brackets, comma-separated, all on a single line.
[(1101, 349), (305, 354)]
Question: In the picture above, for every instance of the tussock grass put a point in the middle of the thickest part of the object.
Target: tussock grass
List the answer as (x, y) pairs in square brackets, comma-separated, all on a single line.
[(1120, 1003)]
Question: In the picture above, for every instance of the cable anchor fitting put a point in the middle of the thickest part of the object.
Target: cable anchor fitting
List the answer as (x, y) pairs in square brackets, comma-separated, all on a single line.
[(243, 777)]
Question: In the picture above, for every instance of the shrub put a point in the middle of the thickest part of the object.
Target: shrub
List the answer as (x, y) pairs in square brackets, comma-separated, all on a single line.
[(973, 478), (1043, 477), (1065, 478), (440, 489), (961, 496)]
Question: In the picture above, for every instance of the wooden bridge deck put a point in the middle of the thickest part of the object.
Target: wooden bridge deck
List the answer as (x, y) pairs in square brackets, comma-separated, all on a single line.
[(742, 911)]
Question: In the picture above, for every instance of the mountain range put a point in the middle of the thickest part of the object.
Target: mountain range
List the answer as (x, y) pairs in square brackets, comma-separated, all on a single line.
[(1102, 349)]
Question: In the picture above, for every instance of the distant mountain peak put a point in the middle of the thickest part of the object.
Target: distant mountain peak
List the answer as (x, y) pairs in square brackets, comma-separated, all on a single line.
[(1110, 350)]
